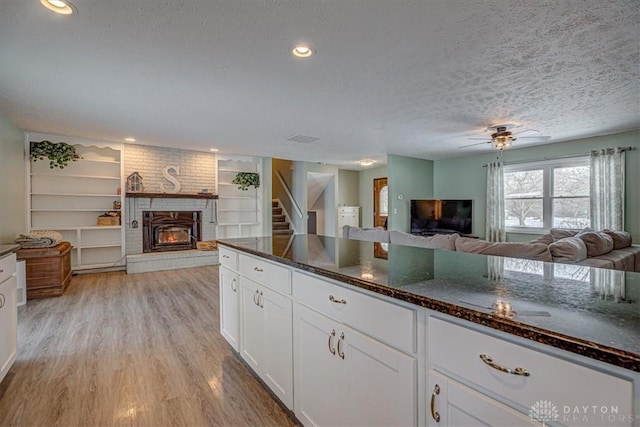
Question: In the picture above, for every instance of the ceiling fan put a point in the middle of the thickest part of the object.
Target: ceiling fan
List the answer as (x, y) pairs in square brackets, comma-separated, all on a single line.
[(502, 138)]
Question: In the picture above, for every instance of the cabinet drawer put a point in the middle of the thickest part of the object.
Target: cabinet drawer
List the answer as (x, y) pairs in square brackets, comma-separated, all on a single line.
[(7, 266), (390, 323), (271, 275), (228, 258), (457, 349)]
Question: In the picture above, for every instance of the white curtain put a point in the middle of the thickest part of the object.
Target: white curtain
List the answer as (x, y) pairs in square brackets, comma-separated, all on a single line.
[(607, 189), (495, 228)]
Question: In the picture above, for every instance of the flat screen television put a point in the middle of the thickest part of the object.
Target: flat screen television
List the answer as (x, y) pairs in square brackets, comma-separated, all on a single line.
[(441, 216)]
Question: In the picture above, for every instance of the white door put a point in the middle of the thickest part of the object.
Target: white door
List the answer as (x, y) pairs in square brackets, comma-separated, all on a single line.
[(319, 372), (458, 405), (229, 309), (380, 382), (252, 337), (8, 324), (277, 363)]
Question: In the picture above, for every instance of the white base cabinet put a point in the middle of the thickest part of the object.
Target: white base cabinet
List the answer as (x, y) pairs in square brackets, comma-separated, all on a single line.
[(343, 377), (8, 313), (266, 337)]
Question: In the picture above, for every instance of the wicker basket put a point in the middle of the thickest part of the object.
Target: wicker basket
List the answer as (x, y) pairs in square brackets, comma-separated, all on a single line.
[(105, 221)]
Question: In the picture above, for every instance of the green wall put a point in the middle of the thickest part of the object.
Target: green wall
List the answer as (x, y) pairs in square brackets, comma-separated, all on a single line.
[(349, 188), (465, 178), (12, 177), (365, 183), (409, 178)]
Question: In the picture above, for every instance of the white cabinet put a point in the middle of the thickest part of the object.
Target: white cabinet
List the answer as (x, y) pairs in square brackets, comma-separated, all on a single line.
[(452, 405), (70, 200), (229, 306), (266, 337), (348, 215), (239, 211), (8, 313), (343, 377)]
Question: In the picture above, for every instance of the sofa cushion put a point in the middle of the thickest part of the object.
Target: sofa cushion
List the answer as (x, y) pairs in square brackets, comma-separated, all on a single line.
[(377, 234), (547, 239), (598, 243), (621, 239), (437, 241), (635, 250), (561, 233), (569, 249), (534, 251), (623, 261), (597, 262)]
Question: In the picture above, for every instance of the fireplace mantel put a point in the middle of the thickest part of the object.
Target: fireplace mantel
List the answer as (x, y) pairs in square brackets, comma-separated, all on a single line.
[(172, 195)]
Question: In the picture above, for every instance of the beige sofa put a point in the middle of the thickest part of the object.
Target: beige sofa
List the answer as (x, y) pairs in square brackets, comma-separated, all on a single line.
[(603, 249)]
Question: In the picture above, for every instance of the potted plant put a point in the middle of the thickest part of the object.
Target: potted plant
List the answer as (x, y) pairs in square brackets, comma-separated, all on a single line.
[(58, 153), (246, 179)]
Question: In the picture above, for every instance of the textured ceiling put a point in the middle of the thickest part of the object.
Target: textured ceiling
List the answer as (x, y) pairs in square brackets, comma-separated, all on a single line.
[(414, 77)]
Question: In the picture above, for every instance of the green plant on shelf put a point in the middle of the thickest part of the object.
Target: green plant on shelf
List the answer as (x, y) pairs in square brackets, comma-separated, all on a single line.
[(246, 179), (58, 153)]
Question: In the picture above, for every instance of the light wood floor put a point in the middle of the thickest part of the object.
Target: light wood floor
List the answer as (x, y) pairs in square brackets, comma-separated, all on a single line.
[(141, 349)]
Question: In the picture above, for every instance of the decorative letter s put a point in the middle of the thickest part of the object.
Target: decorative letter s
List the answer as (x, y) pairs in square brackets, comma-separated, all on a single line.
[(171, 179)]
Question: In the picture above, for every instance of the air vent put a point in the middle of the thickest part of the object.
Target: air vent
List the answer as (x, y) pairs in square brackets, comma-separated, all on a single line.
[(302, 138)]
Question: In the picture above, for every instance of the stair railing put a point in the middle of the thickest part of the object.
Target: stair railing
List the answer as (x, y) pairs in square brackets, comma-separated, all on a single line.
[(289, 195), (286, 215)]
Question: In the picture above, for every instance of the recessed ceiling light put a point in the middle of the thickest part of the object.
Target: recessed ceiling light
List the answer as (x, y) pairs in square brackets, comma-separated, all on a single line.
[(215, 150), (302, 51), (367, 162), (130, 139), (62, 7)]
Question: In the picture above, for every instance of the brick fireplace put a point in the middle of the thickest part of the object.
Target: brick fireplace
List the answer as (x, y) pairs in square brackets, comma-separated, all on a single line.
[(170, 230)]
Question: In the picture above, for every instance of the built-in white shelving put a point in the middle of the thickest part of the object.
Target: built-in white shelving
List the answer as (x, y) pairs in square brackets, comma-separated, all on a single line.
[(70, 200), (239, 211)]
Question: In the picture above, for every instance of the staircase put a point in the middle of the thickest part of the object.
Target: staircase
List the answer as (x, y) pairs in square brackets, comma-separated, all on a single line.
[(279, 223)]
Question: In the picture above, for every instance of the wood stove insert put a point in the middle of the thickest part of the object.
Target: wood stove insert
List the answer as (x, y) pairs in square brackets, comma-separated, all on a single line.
[(171, 230)]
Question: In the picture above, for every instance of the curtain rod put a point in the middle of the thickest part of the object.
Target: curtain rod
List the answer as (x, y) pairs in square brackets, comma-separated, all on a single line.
[(543, 159)]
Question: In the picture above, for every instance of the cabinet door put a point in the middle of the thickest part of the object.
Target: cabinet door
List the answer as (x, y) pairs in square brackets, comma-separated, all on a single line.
[(252, 336), (8, 325), (380, 382), (457, 405), (319, 373), (277, 362), (229, 309)]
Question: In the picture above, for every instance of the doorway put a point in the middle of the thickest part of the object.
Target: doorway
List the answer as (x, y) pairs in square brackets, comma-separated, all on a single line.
[(380, 202)]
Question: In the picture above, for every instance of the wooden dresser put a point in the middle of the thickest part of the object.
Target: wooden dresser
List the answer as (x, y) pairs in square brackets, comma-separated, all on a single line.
[(48, 270)]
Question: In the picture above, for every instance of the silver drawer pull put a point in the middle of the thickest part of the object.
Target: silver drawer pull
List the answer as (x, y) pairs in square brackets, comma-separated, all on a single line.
[(225, 256), (517, 371), (340, 352), (2, 300), (332, 349), (259, 270), (435, 414), (1, 270), (337, 301)]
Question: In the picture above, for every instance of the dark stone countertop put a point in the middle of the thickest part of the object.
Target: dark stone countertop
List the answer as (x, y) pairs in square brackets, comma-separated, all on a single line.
[(584, 310), (7, 249)]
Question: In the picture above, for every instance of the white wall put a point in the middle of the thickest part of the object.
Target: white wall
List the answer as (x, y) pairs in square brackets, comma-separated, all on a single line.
[(12, 177)]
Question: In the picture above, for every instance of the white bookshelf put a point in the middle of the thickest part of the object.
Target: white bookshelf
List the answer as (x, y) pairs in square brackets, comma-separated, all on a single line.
[(239, 212), (69, 201)]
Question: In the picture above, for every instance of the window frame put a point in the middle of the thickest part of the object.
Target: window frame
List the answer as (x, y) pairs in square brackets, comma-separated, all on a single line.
[(547, 168)]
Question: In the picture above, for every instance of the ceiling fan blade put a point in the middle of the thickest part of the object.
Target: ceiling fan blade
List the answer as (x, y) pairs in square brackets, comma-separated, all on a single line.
[(477, 143), (538, 137)]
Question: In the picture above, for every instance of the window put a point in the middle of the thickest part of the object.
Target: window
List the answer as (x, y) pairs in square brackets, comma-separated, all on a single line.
[(384, 201), (547, 195)]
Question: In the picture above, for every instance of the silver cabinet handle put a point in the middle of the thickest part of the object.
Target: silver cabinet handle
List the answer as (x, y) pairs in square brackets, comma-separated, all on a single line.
[(435, 414), (259, 270), (1, 270), (234, 288), (517, 371), (255, 295), (225, 256), (340, 352), (261, 300), (337, 301), (2, 300), (332, 350)]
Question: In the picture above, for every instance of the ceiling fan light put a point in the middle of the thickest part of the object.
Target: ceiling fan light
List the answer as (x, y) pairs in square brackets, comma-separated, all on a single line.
[(502, 142), (62, 7)]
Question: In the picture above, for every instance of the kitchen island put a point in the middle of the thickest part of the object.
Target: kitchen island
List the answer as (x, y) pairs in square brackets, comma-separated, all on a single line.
[(464, 325)]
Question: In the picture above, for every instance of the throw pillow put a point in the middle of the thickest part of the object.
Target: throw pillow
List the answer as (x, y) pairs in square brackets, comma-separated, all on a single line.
[(597, 243), (569, 249), (561, 233), (621, 239), (547, 239)]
